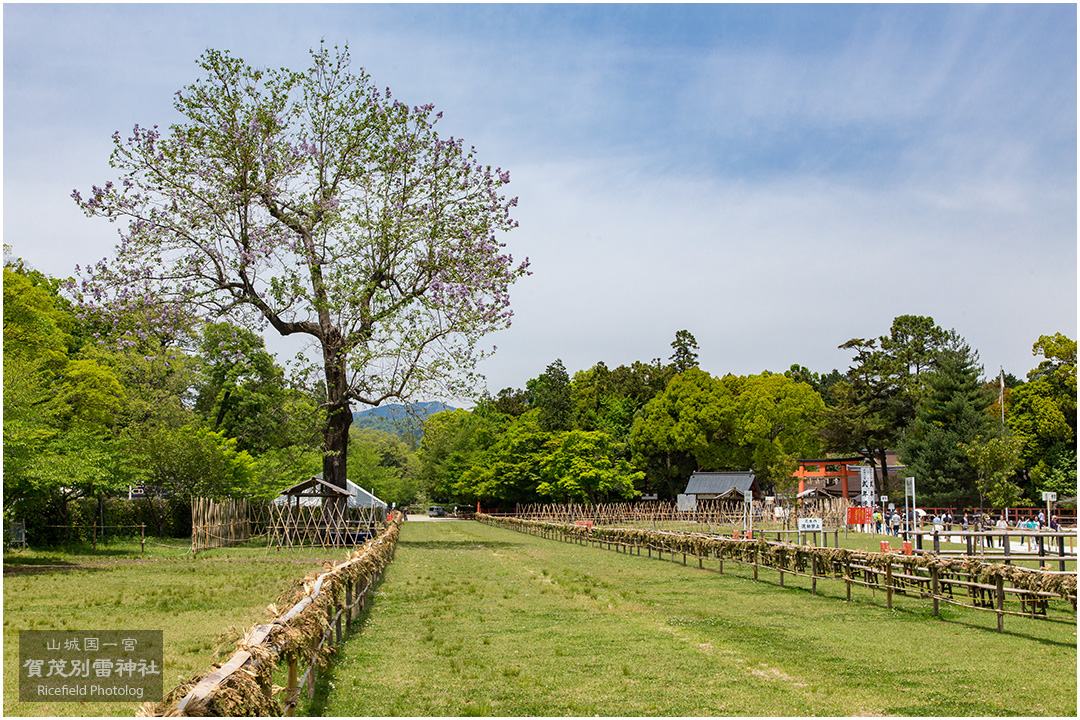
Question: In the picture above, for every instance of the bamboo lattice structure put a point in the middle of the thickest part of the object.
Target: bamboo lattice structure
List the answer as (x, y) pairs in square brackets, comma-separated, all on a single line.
[(333, 525)]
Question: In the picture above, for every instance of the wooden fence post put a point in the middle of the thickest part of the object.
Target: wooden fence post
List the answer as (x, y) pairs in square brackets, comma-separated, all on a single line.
[(847, 576), (934, 583), (888, 583), (292, 689), (1000, 602)]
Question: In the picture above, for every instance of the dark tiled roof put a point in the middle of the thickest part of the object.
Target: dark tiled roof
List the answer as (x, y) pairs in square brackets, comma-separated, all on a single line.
[(721, 483)]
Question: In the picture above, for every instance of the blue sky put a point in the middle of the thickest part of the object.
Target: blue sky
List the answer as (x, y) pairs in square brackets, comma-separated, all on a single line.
[(775, 179)]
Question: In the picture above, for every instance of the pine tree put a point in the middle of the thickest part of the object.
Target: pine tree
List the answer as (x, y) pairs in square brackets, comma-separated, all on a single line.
[(684, 356), (951, 412)]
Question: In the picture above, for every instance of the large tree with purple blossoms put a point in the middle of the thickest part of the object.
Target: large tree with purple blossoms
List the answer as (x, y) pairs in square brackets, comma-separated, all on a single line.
[(315, 203)]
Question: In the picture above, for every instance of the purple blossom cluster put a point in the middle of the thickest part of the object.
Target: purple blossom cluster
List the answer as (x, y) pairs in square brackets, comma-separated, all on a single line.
[(313, 203)]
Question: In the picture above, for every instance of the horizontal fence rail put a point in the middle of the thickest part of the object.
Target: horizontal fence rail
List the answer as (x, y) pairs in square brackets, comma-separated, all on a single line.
[(967, 582), (302, 636)]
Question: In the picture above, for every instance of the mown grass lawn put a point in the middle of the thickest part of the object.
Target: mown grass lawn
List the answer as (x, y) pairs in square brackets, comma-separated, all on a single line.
[(475, 620), (193, 600)]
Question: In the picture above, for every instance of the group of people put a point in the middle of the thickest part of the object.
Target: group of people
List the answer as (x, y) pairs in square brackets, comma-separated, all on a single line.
[(892, 523)]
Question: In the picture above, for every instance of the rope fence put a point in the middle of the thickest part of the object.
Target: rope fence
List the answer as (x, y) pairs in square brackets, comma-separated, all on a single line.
[(966, 582), (301, 637)]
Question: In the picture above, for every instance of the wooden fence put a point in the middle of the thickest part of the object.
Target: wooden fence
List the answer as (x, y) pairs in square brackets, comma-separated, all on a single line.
[(710, 515), (221, 523), (966, 582), (300, 637)]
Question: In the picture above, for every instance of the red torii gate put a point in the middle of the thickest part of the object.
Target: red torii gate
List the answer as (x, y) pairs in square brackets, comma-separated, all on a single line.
[(817, 472)]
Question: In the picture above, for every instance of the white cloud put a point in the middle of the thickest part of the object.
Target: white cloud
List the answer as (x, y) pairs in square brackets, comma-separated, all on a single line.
[(774, 192)]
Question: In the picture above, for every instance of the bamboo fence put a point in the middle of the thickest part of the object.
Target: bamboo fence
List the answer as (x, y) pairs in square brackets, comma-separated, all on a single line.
[(966, 582), (301, 637), (710, 515), (297, 526), (221, 523)]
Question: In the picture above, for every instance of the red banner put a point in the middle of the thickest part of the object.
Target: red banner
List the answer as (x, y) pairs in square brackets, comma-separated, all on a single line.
[(860, 515)]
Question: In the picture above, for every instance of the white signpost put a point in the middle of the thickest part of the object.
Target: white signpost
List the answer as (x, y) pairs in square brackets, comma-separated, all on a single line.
[(806, 525), (909, 490)]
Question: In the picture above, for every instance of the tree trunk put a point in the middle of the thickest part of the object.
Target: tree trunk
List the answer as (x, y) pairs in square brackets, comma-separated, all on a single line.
[(336, 433), (336, 444), (884, 470)]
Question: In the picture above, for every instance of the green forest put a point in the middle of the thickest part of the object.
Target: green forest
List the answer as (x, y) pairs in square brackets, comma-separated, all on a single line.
[(93, 408)]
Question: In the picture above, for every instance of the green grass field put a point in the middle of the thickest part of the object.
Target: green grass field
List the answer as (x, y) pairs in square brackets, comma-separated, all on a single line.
[(475, 620), (194, 601)]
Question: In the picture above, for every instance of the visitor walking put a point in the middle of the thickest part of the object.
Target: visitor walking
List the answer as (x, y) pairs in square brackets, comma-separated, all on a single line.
[(1003, 525)]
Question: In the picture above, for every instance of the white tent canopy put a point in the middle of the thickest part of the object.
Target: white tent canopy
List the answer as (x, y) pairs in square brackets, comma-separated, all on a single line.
[(358, 496)]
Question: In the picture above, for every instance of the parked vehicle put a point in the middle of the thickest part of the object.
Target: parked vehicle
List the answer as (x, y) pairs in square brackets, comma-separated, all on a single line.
[(436, 511)]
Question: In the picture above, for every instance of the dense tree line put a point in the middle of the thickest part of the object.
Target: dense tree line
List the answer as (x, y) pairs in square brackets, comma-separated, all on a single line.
[(92, 408), (642, 429)]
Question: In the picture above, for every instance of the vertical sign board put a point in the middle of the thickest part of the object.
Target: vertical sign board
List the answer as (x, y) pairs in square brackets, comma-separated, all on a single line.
[(748, 498), (866, 475)]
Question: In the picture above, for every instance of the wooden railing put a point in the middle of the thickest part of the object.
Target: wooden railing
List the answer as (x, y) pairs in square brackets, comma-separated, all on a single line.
[(301, 637), (966, 582)]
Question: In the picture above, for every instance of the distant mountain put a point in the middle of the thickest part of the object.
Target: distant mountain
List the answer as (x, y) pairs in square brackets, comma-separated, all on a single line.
[(403, 420)]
